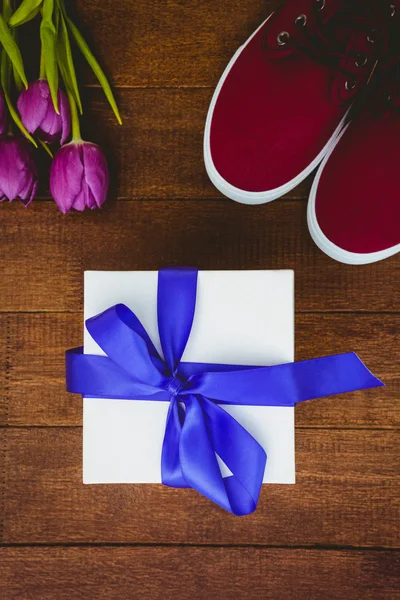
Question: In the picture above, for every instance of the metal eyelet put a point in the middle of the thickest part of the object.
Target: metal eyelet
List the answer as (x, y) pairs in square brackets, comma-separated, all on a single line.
[(321, 4), (350, 85), (283, 38), (371, 37), (301, 21), (392, 10), (362, 60)]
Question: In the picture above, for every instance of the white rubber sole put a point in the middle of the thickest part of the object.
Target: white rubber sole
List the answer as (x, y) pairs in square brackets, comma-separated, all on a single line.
[(323, 243), (243, 196)]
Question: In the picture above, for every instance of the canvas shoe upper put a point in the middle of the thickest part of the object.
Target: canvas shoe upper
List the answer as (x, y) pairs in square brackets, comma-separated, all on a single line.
[(354, 206), (283, 98)]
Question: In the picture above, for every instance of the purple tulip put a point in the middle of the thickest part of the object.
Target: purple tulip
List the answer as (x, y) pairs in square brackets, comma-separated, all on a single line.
[(79, 177), (3, 116), (38, 115), (18, 172)]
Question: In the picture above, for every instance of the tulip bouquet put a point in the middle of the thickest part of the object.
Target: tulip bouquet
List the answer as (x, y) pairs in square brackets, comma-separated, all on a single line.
[(47, 111)]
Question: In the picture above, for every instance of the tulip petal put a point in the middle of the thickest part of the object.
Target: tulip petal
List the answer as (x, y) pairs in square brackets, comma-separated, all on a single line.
[(18, 174), (80, 201), (90, 200), (66, 175), (96, 172), (65, 113), (28, 193), (33, 105), (39, 116), (51, 125), (12, 169)]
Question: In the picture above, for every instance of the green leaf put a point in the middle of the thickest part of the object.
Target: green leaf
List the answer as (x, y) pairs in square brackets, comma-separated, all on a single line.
[(26, 11), (11, 47), (6, 14), (5, 70), (66, 62), (46, 148), (97, 70), (18, 81), (48, 36)]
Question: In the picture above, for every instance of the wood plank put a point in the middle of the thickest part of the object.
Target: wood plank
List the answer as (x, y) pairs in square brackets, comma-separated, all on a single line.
[(4, 369), (36, 393), (187, 573), (168, 44), (346, 495), (3, 482), (46, 253), (158, 152)]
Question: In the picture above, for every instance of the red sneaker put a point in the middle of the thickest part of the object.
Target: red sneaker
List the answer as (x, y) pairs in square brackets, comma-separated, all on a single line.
[(354, 205), (283, 98)]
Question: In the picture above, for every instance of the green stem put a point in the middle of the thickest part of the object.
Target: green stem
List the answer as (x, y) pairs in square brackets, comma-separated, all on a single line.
[(7, 10), (42, 72), (76, 128), (5, 73)]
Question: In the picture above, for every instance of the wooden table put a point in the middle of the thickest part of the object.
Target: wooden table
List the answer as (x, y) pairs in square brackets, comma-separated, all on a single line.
[(333, 535)]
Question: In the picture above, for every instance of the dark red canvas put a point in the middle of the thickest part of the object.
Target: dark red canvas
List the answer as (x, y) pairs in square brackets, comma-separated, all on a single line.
[(280, 104), (357, 201)]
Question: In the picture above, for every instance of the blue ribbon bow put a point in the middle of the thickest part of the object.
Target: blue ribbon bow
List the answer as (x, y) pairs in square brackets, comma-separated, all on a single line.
[(197, 427)]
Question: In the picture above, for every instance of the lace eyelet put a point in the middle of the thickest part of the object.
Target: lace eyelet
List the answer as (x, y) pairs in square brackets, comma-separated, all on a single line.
[(301, 21), (371, 37), (283, 38), (350, 85), (392, 10), (321, 4), (362, 60)]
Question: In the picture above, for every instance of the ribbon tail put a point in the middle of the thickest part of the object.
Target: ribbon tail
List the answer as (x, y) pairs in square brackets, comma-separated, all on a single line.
[(287, 384), (209, 431), (241, 453), (199, 463), (171, 471)]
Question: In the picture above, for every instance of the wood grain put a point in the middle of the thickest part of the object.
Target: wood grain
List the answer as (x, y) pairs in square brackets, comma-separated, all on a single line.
[(168, 43), (346, 494), (4, 371), (199, 573), (3, 479), (35, 345), (47, 252)]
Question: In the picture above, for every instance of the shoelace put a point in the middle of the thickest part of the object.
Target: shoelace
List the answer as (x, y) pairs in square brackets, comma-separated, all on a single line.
[(387, 89), (320, 44)]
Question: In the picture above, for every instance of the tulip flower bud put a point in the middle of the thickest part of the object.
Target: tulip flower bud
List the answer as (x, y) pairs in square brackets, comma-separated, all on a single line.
[(38, 115), (79, 177), (3, 115), (18, 172)]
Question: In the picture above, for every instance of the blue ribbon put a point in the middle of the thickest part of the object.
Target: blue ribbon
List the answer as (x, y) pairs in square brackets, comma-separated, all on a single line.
[(197, 427)]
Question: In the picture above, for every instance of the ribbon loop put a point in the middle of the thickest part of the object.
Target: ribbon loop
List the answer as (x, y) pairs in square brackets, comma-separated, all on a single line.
[(198, 431)]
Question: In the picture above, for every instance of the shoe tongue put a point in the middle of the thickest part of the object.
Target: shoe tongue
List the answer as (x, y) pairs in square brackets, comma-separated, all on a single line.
[(363, 17), (330, 8)]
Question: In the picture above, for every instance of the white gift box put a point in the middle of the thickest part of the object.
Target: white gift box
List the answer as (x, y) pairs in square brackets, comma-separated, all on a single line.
[(241, 318)]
